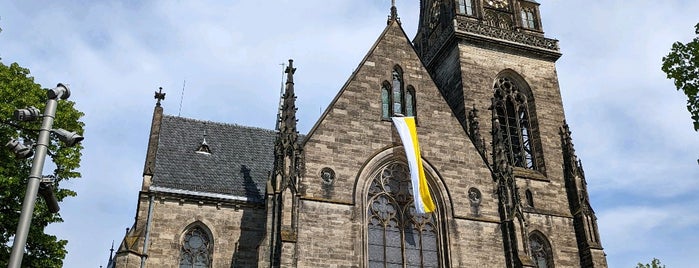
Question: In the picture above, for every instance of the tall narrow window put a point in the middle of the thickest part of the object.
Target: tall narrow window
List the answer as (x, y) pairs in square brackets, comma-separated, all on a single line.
[(397, 91), (466, 7), (397, 235), (513, 114), (385, 100), (196, 248), (528, 18), (530, 198), (541, 251), (410, 101), (396, 98)]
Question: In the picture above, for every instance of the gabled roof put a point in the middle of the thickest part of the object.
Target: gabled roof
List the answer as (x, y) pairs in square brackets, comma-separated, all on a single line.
[(237, 166)]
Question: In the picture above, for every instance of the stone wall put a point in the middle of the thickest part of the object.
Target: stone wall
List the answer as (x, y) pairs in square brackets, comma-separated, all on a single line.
[(237, 230)]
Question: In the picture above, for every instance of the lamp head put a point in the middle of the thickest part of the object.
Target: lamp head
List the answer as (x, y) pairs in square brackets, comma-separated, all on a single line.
[(70, 138), (21, 151), (27, 114), (60, 91), (46, 192)]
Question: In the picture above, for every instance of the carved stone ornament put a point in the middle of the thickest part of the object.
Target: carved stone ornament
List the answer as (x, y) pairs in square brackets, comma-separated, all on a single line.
[(327, 175), (508, 35), (497, 3)]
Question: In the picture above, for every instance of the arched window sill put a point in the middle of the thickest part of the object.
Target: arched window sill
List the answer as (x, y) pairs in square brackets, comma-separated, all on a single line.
[(526, 173)]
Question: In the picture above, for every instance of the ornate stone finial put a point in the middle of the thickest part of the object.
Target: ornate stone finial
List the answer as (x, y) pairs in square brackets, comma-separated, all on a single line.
[(394, 13), (159, 95), (290, 70), (474, 130), (288, 115)]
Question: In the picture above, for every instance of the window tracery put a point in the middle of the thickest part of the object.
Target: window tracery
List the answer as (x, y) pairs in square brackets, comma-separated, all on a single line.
[(196, 248), (512, 108), (397, 235)]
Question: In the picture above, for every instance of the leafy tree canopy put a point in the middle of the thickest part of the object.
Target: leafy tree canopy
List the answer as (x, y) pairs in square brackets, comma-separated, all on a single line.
[(18, 90), (682, 65), (655, 263)]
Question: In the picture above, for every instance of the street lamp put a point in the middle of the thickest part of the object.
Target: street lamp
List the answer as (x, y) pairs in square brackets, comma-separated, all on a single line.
[(37, 183)]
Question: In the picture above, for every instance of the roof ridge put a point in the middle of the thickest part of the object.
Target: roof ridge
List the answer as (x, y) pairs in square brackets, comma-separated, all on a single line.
[(217, 123)]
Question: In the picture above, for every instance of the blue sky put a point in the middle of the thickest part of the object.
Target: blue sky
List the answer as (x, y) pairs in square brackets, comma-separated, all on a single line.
[(630, 127)]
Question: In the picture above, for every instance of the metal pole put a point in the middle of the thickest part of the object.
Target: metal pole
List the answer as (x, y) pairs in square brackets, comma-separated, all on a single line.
[(25, 219)]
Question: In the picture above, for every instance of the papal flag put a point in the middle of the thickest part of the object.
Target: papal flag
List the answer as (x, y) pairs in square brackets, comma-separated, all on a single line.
[(421, 192)]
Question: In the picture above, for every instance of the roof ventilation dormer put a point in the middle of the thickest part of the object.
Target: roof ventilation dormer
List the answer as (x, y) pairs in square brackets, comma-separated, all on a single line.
[(204, 147)]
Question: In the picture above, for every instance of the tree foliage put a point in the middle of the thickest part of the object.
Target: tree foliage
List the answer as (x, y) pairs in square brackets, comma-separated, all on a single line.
[(682, 65), (655, 263), (18, 90)]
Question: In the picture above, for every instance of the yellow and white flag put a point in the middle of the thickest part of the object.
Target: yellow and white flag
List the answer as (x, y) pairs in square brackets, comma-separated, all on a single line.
[(421, 192)]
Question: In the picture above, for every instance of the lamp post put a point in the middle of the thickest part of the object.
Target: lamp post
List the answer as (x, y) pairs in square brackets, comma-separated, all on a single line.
[(35, 178)]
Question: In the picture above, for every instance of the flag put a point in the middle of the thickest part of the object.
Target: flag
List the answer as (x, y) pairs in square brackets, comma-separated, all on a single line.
[(408, 135)]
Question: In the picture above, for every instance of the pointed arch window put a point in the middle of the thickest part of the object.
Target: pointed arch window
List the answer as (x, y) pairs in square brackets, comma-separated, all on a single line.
[(512, 105), (397, 235), (529, 18), (410, 101), (385, 100), (196, 249), (395, 97), (529, 197), (541, 250), (466, 7)]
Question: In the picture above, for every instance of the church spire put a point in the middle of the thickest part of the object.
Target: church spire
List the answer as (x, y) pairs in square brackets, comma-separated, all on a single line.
[(288, 116), (110, 263)]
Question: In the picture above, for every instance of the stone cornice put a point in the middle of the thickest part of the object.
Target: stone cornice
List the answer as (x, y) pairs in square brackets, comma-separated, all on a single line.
[(514, 38)]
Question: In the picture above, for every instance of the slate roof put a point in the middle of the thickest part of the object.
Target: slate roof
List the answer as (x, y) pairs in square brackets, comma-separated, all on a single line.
[(238, 165)]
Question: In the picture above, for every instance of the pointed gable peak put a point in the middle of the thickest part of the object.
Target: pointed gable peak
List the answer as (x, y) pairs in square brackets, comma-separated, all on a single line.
[(394, 13)]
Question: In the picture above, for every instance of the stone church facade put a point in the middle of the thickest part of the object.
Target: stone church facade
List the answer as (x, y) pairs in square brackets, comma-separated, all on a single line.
[(480, 79)]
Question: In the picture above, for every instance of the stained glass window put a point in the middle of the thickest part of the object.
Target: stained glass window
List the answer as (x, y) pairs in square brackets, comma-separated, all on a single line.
[(541, 252), (196, 249), (398, 236), (385, 101), (410, 101)]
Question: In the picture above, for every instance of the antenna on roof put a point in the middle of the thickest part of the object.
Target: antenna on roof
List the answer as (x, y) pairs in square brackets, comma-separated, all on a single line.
[(281, 98), (184, 82)]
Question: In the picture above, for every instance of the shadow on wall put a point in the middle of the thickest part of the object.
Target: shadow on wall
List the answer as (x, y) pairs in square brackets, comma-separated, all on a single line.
[(252, 224)]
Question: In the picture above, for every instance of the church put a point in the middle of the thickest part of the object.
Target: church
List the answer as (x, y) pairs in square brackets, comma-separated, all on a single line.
[(479, 79)]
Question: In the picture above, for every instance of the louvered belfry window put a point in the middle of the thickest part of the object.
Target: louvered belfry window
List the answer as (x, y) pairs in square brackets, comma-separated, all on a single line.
[(397, 235), (512, 107)]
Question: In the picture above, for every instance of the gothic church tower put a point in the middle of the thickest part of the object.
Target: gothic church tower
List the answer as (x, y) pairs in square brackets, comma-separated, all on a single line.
[(492, 55)]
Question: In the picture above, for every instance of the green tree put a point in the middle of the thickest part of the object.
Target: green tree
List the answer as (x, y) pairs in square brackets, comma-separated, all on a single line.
[(18, 90), (655, 263), (682, 65)]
